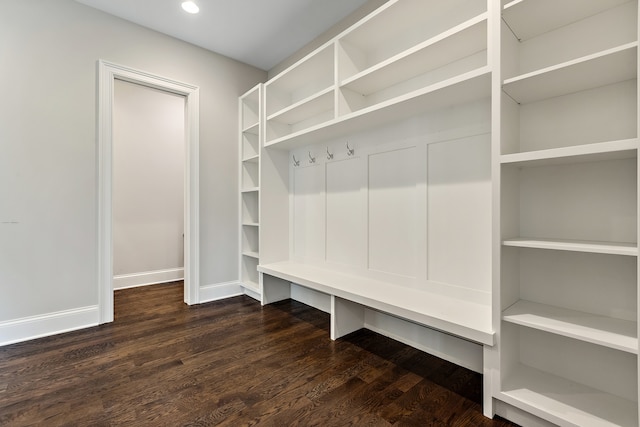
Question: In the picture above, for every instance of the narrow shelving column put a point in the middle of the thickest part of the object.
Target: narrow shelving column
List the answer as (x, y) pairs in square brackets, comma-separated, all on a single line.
[(569, 211), (250, 145)]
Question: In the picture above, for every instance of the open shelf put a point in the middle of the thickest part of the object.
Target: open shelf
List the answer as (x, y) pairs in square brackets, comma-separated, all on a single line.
[(466, 88), (600, 69), (530, 18), (627, 249), (252, 128), (311, 75), (459, 42), (398, 26), (251, 224), (250, 177), (614, 333), (252, 159), (610, 150), (313, 105), (251, 254), (250, 190), (565, 402)]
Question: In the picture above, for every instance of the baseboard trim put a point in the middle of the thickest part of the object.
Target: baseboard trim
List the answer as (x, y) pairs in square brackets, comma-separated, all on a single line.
[(125, 281), (218, 291), (28, 328)]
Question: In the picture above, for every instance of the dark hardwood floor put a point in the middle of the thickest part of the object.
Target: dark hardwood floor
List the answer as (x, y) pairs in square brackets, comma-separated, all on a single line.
[(232, 363)]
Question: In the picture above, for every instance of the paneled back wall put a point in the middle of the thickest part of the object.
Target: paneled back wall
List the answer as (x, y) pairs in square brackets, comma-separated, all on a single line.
[(405, 209)]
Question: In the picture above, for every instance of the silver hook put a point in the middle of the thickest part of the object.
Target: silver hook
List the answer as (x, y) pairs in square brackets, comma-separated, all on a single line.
[(350, 151), (329, 155), (311, 159), (295, 161)]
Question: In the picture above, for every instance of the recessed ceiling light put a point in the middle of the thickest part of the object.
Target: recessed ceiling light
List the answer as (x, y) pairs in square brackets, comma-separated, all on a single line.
[(190, 7)]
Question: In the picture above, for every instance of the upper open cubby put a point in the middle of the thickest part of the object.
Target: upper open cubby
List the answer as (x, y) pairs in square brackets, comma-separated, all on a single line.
[(409, 55), (250, 107), (530, 18), (554, 48), (408, 45), (302, 95), (569, 73)]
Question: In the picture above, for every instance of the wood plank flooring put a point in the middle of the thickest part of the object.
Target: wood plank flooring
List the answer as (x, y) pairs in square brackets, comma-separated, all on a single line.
[(228, 363)]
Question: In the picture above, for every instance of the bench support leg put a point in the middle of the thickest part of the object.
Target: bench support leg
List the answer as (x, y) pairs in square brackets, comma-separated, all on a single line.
[(346, 317), (274, 289), (488, 404)]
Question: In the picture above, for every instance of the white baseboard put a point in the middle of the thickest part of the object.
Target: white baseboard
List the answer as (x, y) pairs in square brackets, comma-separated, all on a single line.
[(125, 281), (28, 328), (219, 291)]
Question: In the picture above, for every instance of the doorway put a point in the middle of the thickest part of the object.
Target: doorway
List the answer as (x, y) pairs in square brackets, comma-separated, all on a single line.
[(108, 73), (148, 186)]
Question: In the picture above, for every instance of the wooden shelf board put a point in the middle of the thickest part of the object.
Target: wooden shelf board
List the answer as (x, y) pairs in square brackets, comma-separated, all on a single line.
[(253, 128), (600, 69), (252, 159), (250, 190), (565, 402), (251, 254), (628, 249), (251, 224), (459, 42), (610, 150), (530, 18), (311, 106), (466, 319), (465, 88), (606, 331)]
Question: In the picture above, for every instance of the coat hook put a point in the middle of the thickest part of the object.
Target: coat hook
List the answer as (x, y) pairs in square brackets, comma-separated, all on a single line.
[(295, 161), (350, 151), (329, 155), (311, 159)]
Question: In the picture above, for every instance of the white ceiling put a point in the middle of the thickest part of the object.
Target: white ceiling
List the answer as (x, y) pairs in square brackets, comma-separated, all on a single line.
[(258, 32)]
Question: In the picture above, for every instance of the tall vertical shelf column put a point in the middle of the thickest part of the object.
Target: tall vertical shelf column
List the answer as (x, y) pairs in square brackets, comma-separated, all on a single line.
[(569, 218), (250, 145)]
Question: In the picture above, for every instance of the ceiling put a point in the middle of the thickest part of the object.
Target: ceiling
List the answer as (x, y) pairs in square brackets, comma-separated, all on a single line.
[(261, 33)]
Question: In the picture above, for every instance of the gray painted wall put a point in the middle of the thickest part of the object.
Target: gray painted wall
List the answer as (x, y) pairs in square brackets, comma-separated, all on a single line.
[(48, 188)]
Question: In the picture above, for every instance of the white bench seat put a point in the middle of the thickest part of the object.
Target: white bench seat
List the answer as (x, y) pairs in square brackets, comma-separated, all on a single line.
[(438, 310)]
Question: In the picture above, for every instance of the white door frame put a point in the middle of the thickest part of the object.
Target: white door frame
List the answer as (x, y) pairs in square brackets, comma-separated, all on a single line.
[(107, 74)]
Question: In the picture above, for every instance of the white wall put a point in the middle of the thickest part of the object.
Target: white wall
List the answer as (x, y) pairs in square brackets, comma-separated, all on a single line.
[(148, 185), (48, 188)]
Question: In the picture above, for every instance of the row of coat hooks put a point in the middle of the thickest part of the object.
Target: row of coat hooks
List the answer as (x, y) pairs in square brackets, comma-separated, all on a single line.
[(350, 152)]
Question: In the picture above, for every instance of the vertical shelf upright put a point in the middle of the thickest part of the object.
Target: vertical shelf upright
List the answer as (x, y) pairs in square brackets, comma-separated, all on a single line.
[(250, 141), (569, 211)]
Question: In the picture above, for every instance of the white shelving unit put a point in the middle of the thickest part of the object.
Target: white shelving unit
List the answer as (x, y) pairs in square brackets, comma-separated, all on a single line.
[(250, 113), (499, 135), (301, 96), (382, 106), (403, 60), (569, 217)]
